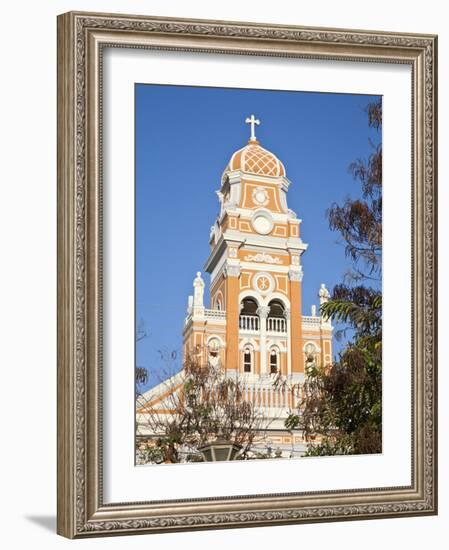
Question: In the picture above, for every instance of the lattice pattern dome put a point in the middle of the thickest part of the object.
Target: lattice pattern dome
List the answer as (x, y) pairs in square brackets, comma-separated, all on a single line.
[(256, 160)]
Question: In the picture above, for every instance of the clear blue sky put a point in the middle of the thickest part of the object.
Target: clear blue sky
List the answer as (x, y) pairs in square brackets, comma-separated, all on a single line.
[(184, 139)]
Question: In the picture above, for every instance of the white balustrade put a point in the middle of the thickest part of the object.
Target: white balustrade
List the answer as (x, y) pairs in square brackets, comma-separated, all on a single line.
[(252, 323), (276, 324), (268, 397), (311, 322), (215, 314), (249, 322)]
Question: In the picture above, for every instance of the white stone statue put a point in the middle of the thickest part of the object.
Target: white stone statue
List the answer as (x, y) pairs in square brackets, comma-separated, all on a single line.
[(323, 294), (198, 291)]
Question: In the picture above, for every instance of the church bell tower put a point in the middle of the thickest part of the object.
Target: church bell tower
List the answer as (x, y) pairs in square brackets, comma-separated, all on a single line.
[(255, 325)]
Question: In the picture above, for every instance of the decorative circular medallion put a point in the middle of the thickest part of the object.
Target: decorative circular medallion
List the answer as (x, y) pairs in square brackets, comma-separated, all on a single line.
[(262, 223), (260, 196), (263, 282)]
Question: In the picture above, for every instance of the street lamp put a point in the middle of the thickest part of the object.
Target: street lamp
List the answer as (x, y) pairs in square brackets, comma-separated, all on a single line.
[(219, 450)]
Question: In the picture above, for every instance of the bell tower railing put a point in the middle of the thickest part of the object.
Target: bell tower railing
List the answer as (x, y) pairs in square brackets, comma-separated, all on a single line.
[(249, 322), (276, 324), (252, 323)]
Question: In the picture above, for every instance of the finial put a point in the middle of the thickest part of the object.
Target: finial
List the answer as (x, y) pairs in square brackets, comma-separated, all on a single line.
[(253, 121)]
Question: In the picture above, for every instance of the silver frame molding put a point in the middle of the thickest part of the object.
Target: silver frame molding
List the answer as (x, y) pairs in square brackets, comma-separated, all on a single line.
[(81, 39)]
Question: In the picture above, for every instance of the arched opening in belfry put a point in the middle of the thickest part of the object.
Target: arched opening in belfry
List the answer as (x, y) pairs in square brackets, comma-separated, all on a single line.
[(276, 321), (249, 319), (276, 309), (249, 306)]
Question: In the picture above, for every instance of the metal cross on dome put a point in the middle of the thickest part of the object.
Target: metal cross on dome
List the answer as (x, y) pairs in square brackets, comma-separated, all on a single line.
[(253, 121)]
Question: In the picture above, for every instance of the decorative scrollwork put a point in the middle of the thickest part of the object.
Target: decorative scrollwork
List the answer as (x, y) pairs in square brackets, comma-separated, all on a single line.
[(263, 258)]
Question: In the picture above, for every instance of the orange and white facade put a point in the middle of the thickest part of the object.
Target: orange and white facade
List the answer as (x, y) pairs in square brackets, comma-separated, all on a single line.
[(254, 326)]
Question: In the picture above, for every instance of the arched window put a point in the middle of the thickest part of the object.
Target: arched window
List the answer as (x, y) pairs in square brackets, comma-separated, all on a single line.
[(219, 301), (213, 346), (274, 360), (213, 351), (311, 353), (247, 359)]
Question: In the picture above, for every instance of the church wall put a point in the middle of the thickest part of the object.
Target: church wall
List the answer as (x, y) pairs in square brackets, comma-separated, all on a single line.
[(283, 361), (281, 283), (280, 279), (257, 363)]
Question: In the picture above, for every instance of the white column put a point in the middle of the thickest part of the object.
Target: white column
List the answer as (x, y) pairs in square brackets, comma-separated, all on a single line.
[(263, 312), (289, 348)]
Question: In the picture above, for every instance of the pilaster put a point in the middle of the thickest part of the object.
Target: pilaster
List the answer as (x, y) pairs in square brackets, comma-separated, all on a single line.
[(232, 274), (263, 314), (296, 344)]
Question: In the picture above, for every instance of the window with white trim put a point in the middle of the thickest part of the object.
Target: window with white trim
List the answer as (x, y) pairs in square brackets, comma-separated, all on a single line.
[(274, 360), (213, 348), (311, 356), (247, 360)]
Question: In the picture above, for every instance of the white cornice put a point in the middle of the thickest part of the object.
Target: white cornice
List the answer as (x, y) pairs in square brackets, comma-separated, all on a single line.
[(267, 241), (252, 240), (236, 176)]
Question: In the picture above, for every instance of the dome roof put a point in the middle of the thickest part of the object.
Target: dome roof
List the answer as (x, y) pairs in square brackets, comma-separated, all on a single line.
[(254, 159)]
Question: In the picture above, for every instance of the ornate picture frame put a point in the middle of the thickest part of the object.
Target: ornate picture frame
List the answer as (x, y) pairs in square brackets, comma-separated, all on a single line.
[(82, 38)]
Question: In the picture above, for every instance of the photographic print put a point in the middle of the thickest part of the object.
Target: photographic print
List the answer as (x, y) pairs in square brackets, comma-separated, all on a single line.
[(258, 262), (246, 274)]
